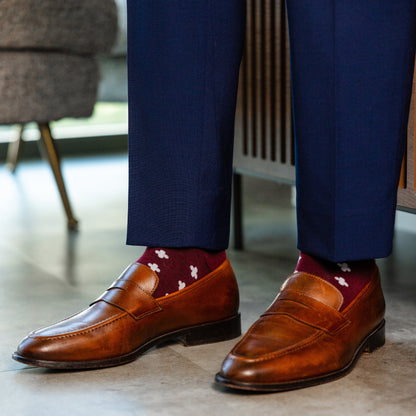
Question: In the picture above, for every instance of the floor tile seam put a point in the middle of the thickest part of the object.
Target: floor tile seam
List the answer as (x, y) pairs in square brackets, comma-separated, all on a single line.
[(183, 356), (28, 260), (14, 370)]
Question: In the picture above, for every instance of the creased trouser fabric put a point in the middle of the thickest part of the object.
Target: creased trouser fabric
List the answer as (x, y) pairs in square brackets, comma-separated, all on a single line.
[(183, 63), (352, 66), (352, 69)]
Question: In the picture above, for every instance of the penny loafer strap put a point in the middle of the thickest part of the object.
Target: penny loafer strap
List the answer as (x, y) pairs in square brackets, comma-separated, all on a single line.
[(308, 311), (131, 298)]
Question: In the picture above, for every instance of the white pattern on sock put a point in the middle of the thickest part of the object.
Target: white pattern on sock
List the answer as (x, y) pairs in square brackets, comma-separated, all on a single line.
[(344, 267), (341, 281), (194, 272), (154, 267), (161, 254)]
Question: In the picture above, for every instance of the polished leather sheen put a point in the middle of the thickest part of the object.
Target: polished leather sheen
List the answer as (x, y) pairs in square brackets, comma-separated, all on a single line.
[(126, 320), (303, 339)]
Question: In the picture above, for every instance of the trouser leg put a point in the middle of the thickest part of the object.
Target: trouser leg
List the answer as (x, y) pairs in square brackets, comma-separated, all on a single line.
[(183, 61), (352, 68)]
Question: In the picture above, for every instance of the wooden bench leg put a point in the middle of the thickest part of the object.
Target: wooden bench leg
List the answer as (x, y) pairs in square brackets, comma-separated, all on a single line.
[(51, 152)]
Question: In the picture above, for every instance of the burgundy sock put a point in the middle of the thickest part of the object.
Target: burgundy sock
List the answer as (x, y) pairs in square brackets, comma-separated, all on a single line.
[(180, 267), (348, 277)]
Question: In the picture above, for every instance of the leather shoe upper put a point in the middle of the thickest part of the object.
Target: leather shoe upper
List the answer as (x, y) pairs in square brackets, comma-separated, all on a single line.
[(127, 316), (303, 334)]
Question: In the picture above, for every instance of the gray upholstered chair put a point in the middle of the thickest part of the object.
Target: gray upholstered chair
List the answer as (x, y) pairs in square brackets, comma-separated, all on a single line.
[(48, 68)]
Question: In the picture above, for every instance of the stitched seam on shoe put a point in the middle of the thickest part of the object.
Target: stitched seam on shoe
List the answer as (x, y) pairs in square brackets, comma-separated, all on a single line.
[(156, 284), (134, 283), (130, 281), (341, 326), (204, 280), (149, 271), (368, 289), (86, 331), (33, 333), (309, 324), (155, 309), (122, 307), (138, 285), (339, 294), (247, 334), (286, 351)]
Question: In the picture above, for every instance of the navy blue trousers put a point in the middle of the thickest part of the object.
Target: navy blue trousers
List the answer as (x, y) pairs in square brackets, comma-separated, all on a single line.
[(352, 67)]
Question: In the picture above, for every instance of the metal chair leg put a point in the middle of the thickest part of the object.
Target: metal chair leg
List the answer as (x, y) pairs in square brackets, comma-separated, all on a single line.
[(14, 150), (51, 152), (238, 212)]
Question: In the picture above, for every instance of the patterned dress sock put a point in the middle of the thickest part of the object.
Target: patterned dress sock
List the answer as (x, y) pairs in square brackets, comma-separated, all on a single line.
[(178, 268), (348, 277)]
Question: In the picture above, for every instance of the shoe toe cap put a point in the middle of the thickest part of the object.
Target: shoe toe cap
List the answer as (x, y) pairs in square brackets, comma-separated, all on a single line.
[(238, 370), (34, 348)]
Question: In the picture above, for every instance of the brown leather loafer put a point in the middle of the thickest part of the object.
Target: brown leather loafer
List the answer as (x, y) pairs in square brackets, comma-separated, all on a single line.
[(126, 321), (303, 339)]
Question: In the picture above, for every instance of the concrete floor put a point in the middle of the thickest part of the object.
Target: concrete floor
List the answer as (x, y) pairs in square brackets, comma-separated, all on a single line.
[(47, 274)]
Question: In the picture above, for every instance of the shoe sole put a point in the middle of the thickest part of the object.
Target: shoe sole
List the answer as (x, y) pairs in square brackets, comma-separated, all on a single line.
[(371, 342), (196, 335)]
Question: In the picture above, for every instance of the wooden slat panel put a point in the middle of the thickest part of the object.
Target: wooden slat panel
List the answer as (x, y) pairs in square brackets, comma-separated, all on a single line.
[(283, 79), (407, 192), (403, 171), (264, 127), (264, 143), (272, 51)]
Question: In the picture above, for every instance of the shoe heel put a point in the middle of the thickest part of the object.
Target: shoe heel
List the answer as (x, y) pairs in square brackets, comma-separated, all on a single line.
[(214, 332), (376, 340)]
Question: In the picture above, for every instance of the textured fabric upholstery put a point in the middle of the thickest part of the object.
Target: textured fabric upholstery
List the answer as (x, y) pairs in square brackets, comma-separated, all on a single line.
[(48, 68), (79, 26), (39, 86)]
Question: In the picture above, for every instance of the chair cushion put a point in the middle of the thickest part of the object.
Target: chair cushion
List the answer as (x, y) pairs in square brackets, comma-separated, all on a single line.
[(79, 26), (42, 86)]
